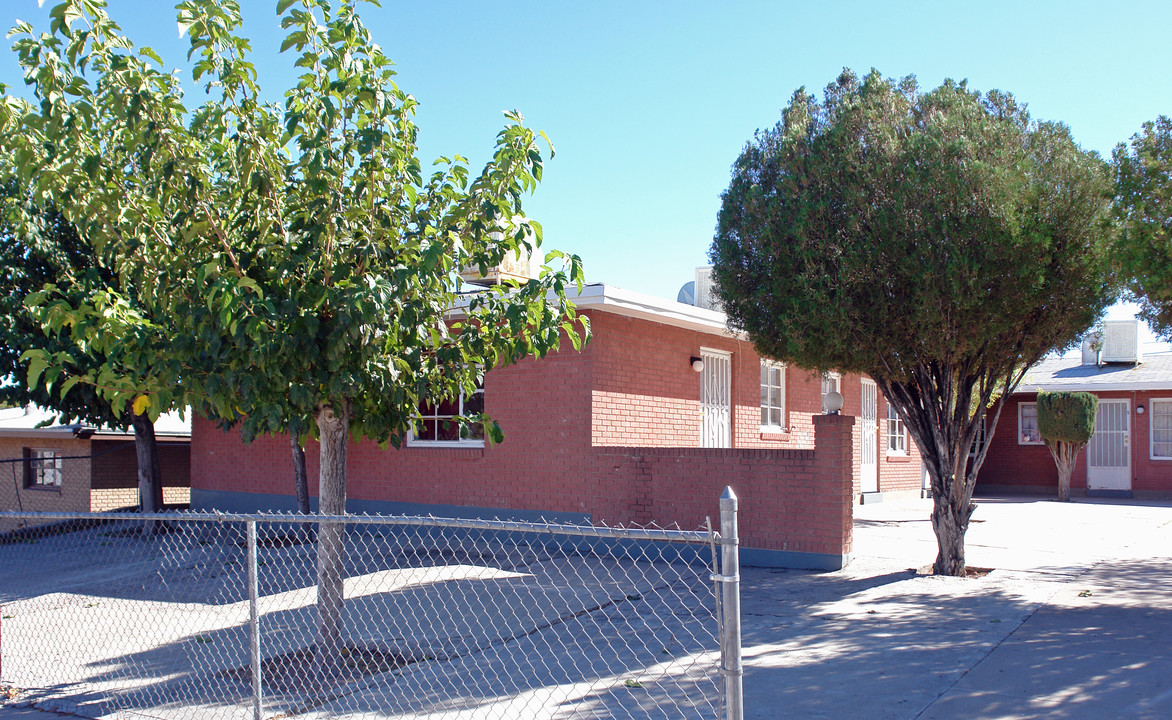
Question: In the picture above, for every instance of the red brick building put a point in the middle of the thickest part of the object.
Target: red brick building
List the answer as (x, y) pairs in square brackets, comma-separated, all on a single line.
[(647, 424), (1130, 454)]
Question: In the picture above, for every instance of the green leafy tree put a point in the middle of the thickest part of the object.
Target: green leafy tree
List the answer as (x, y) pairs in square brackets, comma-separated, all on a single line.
[(1143, 204), (303, 263), (38, 247), (1066, 421), (940, 242)]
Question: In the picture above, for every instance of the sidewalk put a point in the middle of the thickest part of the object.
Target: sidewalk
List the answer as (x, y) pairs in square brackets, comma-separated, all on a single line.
[(1072, 622)]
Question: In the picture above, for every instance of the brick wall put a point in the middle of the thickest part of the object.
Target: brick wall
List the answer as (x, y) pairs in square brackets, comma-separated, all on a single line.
[(115, 464), (794, 501)]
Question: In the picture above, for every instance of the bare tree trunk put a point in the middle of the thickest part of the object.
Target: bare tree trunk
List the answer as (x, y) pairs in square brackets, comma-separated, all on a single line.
[(150, 480), (1065, 455), (952, 507), (299, 478), (950, 523), (334, 430)]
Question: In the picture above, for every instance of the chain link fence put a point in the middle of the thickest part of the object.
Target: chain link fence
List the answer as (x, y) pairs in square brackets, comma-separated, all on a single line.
[(187, 615)]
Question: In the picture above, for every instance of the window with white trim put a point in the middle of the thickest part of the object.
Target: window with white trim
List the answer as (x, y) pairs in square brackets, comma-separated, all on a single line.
[(896, 433), (438, 423), (772, 396), (979, 442), (1160, 420), (1027, 424), (830, 381), (42, 468)]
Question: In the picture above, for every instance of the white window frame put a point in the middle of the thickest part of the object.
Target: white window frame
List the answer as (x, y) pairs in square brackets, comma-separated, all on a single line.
[(767, 368), (45, 467), (1020, 435), (982, 433), (896, 432), (1152, 402), (830, 381), (435, 416)]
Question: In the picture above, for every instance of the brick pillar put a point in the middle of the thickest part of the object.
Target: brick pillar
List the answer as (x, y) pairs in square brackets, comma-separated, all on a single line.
[(834, 467)]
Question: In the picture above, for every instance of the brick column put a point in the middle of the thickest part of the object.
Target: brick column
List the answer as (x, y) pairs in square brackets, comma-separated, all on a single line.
[(834, 468)]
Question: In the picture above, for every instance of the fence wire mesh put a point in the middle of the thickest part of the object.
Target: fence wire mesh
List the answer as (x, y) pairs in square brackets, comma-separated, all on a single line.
[(441, 618)]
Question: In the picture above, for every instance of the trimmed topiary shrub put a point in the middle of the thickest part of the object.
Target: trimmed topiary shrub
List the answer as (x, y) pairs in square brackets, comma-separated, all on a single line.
[(1066, 421)]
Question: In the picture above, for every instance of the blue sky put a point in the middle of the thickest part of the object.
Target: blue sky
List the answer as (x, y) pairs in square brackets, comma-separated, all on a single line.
[(649, 103)]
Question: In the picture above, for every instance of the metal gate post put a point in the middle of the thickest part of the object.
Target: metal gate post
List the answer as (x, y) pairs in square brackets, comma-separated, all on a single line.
[(730, 640), (253, 623)]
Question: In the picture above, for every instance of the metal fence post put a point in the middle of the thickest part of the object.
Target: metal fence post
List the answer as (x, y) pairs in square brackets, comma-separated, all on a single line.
[(253, 623), (730, 640)]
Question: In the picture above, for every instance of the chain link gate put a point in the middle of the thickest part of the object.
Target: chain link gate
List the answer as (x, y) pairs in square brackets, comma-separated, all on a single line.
[(215, 615)]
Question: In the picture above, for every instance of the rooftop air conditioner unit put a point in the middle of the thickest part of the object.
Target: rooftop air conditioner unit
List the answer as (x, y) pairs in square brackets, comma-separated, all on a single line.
[(515, 265), (705, 290), (1121, 342)]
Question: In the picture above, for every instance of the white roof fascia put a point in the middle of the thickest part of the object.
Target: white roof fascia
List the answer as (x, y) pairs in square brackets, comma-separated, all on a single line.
[(628, 303), (1093, 387), (48, 432), (647, 307)]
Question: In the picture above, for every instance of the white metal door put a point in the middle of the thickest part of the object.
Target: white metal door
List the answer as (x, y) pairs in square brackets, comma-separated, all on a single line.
[(1109, 451), (716, 399), (869, 480)]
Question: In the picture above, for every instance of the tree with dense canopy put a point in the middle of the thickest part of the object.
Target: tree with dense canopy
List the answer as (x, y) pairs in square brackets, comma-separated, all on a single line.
[(295, 258), (1066, 421), (38, 247), (940, 242), (1143, 204)]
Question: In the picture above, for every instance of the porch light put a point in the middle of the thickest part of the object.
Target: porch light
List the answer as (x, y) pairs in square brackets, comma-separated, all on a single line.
[(833, 402), (1139, 409), (697, 364)]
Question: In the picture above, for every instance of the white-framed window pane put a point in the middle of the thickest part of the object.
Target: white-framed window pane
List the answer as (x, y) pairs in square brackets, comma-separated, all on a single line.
[(772, 395), (46, 468), (1027, 424), (439, 424), (1161, 419), (979, 442), (896, 433), (830, 381)]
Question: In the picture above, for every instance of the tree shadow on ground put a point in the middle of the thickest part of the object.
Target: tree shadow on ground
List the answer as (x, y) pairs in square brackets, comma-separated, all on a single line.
[(900, 649)]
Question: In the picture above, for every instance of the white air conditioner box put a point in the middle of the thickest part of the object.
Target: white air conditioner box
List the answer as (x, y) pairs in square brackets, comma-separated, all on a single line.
[(515, 265), (705, 290), (1121, 342)]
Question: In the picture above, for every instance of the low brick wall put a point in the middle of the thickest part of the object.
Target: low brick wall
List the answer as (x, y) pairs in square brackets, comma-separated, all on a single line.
[(796, 505)]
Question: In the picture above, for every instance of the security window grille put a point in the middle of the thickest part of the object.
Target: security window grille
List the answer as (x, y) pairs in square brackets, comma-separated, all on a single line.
[(438, 424), (42, 468), (772, 396), (1161, 420), (896, 433), (830, 381), (1027, 424)]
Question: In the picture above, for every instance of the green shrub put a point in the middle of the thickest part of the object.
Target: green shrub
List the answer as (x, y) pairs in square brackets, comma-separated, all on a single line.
[(1067, 416)]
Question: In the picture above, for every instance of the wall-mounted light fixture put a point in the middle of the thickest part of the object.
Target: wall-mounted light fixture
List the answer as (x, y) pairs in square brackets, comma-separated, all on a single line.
[(697, 364), (833, 402), (1139, 409)]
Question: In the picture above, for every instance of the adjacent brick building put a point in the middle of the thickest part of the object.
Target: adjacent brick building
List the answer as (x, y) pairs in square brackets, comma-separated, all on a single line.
[(626, 431), (76, 468), (1131, 451)]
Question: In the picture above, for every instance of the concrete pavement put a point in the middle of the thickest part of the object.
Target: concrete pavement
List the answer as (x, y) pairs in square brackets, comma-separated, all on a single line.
[(1073, 621)]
